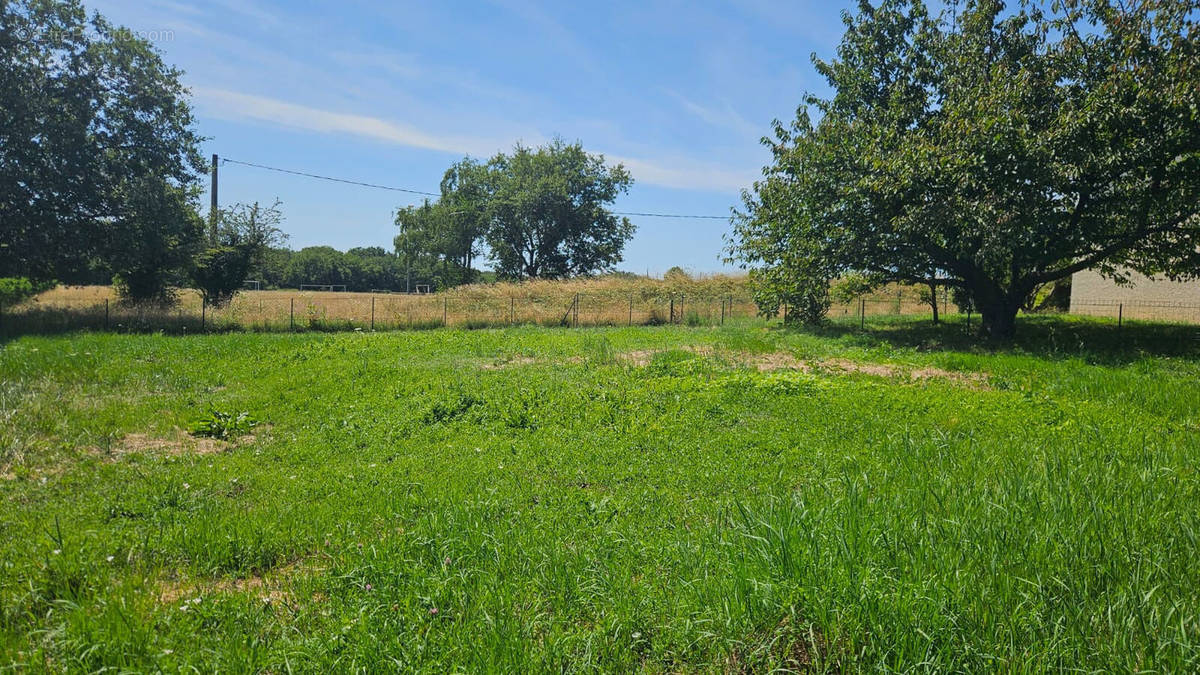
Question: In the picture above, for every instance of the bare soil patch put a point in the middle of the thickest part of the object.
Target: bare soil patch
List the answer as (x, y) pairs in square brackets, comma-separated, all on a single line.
[(177, 444), (974, 380), (272, 587), (775, 361), (513, 362)]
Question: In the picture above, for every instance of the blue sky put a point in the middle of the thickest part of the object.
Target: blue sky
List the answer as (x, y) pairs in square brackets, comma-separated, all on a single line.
[(393, 92)]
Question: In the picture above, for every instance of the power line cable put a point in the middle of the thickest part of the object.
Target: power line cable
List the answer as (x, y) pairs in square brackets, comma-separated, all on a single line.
[(226, 160), (666, 215)]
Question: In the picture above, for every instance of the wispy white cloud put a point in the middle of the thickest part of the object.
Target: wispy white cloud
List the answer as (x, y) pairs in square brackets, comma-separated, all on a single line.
[(232, 105), (722, 116), (685, 175), (675, 173)]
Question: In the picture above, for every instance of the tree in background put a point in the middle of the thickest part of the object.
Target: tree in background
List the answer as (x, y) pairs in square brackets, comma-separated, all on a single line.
[(542, 213), (990, 151), (428, 247), (246, 234), (317, 265), (547, 212), (465, 193), (371, 267), (273, 271), (99, 161)]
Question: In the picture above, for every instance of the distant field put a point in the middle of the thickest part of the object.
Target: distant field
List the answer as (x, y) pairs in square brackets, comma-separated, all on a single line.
[(605, 301), (658, 499)]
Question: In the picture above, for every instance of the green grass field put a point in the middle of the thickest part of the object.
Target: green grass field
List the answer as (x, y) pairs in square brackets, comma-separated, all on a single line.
[(664, 499)]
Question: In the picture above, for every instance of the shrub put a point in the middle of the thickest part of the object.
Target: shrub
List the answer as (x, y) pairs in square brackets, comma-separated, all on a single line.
[(220, 272), (14, 290)]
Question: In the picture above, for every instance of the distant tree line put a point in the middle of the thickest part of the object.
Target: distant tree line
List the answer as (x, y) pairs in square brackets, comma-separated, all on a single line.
[(359, 269)]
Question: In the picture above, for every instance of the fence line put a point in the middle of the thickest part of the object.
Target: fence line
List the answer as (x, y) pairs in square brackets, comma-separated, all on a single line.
[(276, 311)]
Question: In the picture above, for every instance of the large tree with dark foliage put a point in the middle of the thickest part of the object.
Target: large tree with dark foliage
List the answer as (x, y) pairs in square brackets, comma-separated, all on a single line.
[(543, 213), (991, 149), (98, 157), (548, 212)]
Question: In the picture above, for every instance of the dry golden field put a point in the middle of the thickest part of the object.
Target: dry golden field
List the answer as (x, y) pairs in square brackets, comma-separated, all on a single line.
[(606, 301), (598, 301)]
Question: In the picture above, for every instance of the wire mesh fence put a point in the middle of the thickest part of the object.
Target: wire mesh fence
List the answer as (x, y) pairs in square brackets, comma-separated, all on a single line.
[(297, 311), (283, 311), (1165, 312)]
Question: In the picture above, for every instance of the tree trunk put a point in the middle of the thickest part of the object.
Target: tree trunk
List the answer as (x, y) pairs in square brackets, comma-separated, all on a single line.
[(999, 320), (933, 300)]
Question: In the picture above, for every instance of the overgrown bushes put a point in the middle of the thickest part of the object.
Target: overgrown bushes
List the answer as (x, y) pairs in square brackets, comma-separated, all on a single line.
[(18, 289)]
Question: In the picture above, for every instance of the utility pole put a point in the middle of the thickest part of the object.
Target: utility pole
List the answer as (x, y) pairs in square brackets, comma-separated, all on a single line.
[(212, 208)]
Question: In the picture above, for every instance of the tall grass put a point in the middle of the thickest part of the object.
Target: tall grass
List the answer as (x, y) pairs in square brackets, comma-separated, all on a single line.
[(607, 499)]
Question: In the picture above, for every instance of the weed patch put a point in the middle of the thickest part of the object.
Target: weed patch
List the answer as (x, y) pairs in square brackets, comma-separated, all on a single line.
[(223, 425)]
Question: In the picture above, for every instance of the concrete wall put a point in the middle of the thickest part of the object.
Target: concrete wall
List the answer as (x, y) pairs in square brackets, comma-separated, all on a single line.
[(1147, 298)]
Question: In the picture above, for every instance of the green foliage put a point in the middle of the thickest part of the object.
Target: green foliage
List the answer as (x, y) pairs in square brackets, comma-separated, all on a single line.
[(805, 299), (14, 290), (223, 425), (677, 273), (562, 507), (991, 150), (246, 236), (548, 215), (543, 213), (317, 265), (850, 287), (219, 272), (435, 244), (100, 158)]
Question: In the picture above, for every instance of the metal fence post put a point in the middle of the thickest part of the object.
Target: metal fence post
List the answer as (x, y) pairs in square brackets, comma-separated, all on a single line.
[(203, 311), (445, 311), (968, 318), (1120, 314), (372, 312), (862, 313), (631, 310), (512, 310), (672, 297), (106, 314), (292, 315), (722, 311)]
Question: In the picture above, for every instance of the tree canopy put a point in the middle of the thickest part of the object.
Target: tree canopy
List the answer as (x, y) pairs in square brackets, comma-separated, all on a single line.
[(988, 149), (98, 156), (542, 213)]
